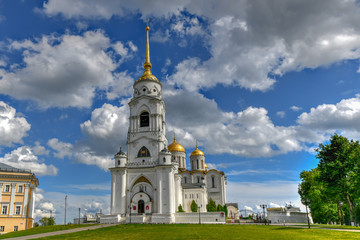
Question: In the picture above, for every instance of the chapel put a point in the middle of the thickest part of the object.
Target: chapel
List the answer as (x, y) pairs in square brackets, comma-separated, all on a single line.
[(151, 182)]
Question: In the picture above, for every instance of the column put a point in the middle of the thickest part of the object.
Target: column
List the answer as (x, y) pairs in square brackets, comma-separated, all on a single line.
[(1, 186), (112, 204), (26, 200), (178, 191), (12, 199), (159, 189), (32, 200), (123, 192), (171, 187)]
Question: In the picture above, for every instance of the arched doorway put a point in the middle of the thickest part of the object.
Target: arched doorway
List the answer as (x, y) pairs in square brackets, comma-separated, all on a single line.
[(141, 207)]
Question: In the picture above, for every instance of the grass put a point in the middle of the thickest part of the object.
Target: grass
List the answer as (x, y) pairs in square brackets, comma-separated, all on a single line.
[(193, 231), (330, 226), (39, 230)]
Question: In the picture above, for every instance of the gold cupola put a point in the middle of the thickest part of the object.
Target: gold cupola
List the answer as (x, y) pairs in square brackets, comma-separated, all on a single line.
[(148, 76), (176, 147), (197, 152)]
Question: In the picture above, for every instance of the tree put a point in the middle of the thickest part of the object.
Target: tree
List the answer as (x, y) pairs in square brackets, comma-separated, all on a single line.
[(338, 165), (225, 209), (211, 206), (47, 221), (219, 208), (180, 209), (193, 206)]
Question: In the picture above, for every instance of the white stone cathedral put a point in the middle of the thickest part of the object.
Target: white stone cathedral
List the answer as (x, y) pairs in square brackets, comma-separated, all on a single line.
[(151, 181)]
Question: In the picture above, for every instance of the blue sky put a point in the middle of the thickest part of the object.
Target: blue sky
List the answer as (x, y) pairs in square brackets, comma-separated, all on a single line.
[(259, 84)]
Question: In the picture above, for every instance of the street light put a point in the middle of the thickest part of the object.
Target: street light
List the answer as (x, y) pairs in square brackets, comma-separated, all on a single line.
[(307, 201), (263, 206), (65, 210), (130, 212), (199, 207), (79, 215)]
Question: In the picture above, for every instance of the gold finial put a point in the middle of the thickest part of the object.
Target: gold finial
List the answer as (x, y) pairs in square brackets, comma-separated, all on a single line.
[(147, 64), (196, 144)]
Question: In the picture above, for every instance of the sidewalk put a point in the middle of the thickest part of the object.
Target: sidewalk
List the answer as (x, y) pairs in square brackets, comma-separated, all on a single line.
[(60, 232)]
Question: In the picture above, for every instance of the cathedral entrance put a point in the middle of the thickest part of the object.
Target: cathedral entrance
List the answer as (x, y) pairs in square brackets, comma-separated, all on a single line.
[(141, 207)]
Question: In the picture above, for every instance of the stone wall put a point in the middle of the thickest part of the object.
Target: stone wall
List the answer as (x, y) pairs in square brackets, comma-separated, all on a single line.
[(208, 217)]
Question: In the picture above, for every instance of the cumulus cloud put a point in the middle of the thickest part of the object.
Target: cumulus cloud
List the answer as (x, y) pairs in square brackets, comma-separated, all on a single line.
[(43, 207), (24, 158), (66, 70), (103, 133), (12, 128), (249, 41)]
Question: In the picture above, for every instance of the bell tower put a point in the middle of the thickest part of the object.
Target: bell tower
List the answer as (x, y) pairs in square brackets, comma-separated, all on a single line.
[(146, 135)]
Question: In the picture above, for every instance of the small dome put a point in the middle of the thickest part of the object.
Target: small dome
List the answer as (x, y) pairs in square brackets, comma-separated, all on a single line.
[(120, 153), (176, 147), (197, 152)]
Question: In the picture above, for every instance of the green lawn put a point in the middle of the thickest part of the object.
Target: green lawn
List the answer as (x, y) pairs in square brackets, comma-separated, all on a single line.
[(38, 230), (183, 231)]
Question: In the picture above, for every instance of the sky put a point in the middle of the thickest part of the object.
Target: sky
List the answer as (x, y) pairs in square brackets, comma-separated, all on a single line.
[(259, 84)]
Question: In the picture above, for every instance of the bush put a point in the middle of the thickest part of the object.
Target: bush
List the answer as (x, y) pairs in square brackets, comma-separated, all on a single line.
[(180, 209), (45, 221), (211, 207), (193, 206)]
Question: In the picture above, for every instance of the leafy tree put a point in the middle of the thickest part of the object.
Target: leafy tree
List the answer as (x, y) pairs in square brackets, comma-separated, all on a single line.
[(225, 209), (193, 206), (36, 224), (211, 206), (180, 209), (338, 164), (47, 221), (219, 208)]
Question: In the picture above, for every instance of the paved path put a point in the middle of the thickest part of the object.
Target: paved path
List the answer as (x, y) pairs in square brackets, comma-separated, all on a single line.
[(60, 232)]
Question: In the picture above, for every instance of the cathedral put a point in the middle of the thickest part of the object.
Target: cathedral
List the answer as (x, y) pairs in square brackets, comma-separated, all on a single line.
[(151, 182)]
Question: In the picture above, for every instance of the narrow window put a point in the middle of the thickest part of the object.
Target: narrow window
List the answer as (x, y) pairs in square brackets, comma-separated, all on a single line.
[(17, 210), (16, 228), (144, 119), (198, 178), (4, 210), (118, 162), (7, 188), (20, 189), (184, 179), (2, 228), (197, 164), (144, 152), (164, 159), (213, 181)]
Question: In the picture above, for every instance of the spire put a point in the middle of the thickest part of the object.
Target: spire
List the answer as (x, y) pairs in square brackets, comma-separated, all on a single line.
[(147, 64)]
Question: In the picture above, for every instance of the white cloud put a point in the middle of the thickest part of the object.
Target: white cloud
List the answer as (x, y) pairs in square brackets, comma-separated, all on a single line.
[(249, 41), (43, 207), (295, 108), (280, 114), (343, 115), (12, 128), (66, 70), (62, 149), (24, 158), (39, 150)]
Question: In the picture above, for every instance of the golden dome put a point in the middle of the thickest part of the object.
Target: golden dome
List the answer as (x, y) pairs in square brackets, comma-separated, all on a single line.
[(197, 152), (176, 147)]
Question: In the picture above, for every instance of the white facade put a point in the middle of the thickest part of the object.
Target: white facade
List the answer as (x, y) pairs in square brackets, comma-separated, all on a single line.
[(149, 182)]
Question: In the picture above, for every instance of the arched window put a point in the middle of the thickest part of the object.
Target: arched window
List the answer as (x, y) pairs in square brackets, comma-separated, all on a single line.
[(212, 181), (144, 152), (144, 119)]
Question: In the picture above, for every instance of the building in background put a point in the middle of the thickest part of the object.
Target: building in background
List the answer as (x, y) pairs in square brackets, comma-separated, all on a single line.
[(233, 210), (17, 198), (287, 214)]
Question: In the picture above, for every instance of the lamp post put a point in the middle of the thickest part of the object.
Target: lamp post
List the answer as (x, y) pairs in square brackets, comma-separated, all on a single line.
[(307, 213), (130, 213), (263, 206), (65, 210), (79, 215), (199, 207)]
